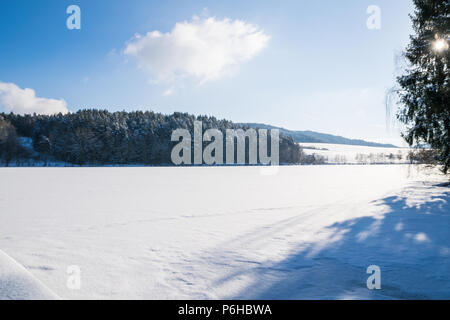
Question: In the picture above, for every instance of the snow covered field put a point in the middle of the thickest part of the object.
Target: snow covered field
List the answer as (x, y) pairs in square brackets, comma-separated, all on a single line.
[(340, 153), (227, 232)]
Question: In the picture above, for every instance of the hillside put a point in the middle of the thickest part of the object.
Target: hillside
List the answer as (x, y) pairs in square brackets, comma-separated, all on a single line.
[(317, 137)]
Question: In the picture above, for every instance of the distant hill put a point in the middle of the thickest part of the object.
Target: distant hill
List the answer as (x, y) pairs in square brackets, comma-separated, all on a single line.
[(311, 136)]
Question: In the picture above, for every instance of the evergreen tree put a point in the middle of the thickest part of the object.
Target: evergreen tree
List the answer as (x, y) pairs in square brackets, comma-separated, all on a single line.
[(425, 90), (9, 146)]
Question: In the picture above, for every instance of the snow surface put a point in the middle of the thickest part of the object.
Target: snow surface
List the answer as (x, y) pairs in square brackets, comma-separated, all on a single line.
[(229, 232), (16, 283)]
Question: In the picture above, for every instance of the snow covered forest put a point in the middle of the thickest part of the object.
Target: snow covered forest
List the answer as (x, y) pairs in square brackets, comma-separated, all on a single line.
[(100, 137)]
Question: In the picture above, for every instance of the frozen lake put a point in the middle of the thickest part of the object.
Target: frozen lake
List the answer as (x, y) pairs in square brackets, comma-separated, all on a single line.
[(229, 232)]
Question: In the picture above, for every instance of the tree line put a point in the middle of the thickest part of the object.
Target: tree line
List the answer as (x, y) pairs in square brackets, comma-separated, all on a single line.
[(100, 137)]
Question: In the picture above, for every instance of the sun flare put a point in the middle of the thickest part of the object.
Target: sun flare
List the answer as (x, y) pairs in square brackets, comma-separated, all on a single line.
[(440, 45)]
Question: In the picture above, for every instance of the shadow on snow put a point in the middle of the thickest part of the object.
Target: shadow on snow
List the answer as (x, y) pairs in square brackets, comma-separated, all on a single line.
[(410, 242)]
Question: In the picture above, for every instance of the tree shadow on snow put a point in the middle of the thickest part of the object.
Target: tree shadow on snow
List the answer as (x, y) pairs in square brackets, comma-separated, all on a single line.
[(410, 243)]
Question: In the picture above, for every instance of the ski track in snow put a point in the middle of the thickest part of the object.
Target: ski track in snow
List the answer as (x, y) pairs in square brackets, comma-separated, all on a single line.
[(229, 232)]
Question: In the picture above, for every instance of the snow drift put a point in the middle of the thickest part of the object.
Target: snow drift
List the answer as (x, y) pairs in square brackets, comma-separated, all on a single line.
[(16, 283)]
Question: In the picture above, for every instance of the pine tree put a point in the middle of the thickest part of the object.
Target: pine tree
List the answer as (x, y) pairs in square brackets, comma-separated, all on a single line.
[(425, 90), (9, 146)]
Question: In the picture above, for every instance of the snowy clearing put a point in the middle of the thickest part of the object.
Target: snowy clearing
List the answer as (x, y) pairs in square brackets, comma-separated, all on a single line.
[(349, 154), (228, 232)]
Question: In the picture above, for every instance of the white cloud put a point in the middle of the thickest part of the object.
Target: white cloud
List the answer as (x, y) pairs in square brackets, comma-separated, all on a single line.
[(204, 48), (168, 92), (22, 101)]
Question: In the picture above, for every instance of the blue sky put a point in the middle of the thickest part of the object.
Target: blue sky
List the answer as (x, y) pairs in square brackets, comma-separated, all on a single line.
[(318, 67)]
